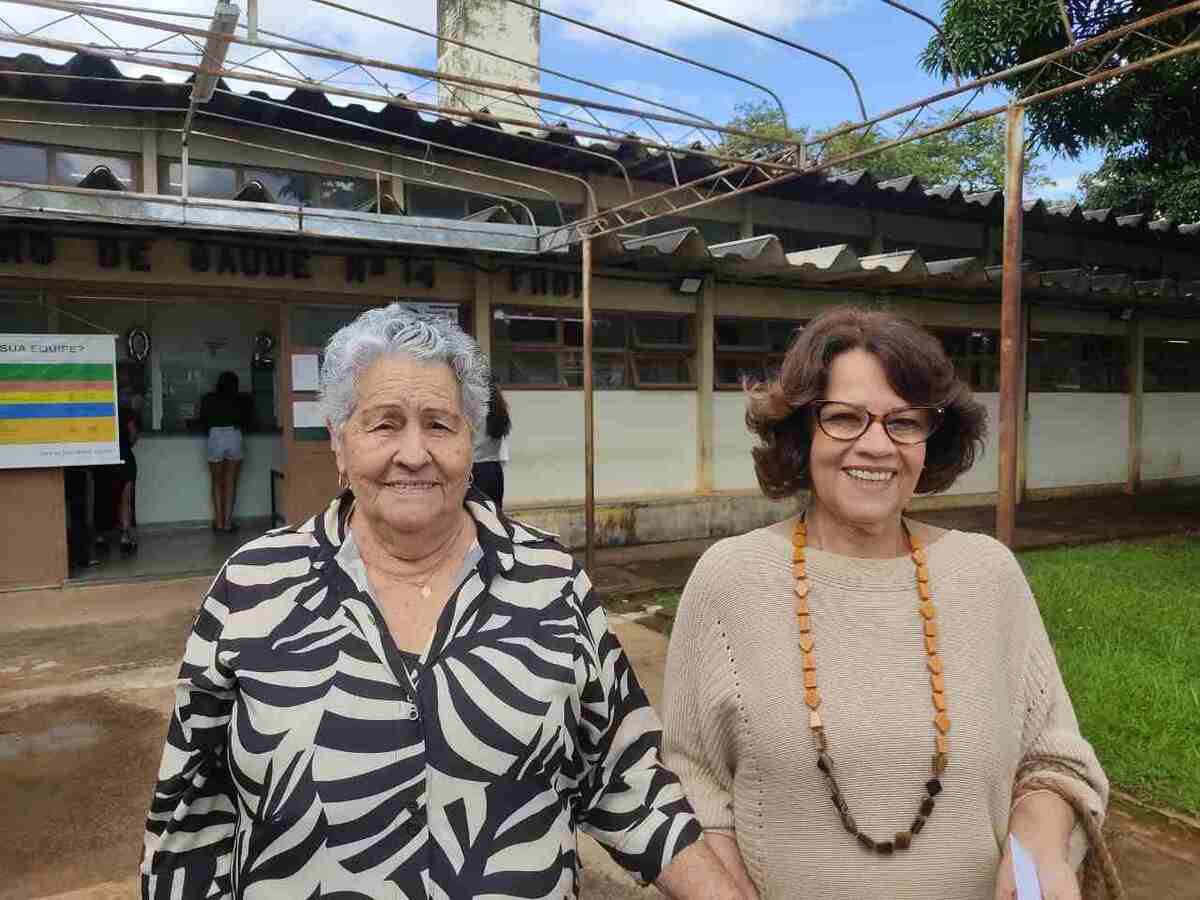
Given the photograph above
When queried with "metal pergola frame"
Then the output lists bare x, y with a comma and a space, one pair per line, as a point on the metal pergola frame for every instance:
580, 118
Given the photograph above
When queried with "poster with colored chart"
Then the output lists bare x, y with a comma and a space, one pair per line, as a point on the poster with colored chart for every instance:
58, 403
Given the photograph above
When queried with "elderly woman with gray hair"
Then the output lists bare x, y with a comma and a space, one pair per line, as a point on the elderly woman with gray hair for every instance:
409, 695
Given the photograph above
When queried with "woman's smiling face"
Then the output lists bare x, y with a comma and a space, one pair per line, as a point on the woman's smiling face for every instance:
866, 482
407, 448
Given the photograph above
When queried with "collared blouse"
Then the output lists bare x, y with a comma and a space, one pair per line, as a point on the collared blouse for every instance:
304, 759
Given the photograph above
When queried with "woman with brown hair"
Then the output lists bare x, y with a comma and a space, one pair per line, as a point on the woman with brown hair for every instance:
860, 705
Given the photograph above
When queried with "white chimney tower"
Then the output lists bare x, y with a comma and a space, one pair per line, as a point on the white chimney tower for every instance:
502, 27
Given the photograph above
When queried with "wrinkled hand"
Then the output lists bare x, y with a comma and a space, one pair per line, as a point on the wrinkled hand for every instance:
1055, 874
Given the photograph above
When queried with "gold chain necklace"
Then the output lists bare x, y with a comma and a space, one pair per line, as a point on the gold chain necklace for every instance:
812, 695
423, 582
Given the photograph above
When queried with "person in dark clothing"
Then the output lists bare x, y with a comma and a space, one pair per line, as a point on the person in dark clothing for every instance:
125, 476
80, 551
224, 414
491, 448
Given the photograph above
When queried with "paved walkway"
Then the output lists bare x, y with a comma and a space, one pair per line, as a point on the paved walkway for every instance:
636, 573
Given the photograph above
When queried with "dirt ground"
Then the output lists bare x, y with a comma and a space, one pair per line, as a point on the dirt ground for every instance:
86, 681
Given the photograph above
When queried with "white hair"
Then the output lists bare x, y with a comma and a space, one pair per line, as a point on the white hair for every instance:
397, 330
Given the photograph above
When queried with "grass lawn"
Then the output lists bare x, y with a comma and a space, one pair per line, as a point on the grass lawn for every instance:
1125, 621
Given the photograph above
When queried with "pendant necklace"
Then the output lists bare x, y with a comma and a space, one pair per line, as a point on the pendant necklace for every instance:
902, 840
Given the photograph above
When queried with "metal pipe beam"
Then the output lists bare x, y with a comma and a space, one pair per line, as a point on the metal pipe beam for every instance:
862, 106
1011, 345
579, 23
511, 59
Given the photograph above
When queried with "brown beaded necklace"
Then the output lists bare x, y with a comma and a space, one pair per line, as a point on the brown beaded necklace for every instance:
812, 696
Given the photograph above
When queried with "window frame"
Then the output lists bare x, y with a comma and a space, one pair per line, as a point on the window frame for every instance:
765, 356
629, 353
1079, 339
241, 177
1191, 374
53, 150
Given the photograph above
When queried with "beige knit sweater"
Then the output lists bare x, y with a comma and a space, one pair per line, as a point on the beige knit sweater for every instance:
736, 727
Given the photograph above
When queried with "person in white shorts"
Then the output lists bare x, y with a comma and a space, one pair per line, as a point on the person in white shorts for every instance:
225, 414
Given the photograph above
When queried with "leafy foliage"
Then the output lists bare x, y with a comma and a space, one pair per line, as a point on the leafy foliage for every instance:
971, 155
1148, 121
1137, 183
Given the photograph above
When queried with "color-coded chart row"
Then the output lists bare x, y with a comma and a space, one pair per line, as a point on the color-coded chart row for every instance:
58, 431
56, 372
56, 410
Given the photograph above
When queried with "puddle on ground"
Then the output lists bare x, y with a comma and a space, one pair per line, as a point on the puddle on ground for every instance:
59, 739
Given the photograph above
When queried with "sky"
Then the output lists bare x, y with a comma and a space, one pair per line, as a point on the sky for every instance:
879, 44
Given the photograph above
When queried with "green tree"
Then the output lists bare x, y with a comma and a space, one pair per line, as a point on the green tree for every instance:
971, 155
1148, 123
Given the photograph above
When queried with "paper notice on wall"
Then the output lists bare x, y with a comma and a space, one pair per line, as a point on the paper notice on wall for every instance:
58, 401
306, 372
307, 414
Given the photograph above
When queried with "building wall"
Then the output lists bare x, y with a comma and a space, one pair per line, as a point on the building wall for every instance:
33, 552
1078, 439
173, 479
645, 444
1171, 436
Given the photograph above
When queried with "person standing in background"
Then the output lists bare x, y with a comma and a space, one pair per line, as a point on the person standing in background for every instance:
224, 414
491, 449
129, 430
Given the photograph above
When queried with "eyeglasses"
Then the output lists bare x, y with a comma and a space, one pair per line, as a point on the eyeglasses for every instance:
847, 422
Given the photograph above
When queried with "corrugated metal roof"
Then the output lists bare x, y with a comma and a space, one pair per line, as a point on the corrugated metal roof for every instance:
763, 259
23, 76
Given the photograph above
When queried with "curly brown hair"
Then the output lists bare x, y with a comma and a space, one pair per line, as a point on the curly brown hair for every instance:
916, 367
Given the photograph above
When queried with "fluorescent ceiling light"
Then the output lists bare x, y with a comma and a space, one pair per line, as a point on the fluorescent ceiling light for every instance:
1169, 341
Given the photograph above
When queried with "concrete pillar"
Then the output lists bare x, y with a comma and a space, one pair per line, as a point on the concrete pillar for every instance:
150, 155
746, 223
706, 305
1137, 387
483, 306
505, 28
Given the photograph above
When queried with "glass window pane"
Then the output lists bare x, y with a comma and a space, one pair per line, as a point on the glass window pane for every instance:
781, 334
608, 370
346, 193
730, 370
71, 168
525, 366
663, 370
524, 327
22, 315
662, 331
217, 182
1172, 364
436, 203
607, 331
313, 326
287, 188
24, 162
751, 333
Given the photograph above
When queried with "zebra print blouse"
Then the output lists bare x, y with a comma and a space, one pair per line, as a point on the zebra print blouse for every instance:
302, 762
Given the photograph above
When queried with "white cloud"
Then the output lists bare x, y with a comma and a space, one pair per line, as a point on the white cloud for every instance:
657, 21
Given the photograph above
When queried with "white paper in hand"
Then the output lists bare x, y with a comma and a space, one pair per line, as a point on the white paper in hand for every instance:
1024, 872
